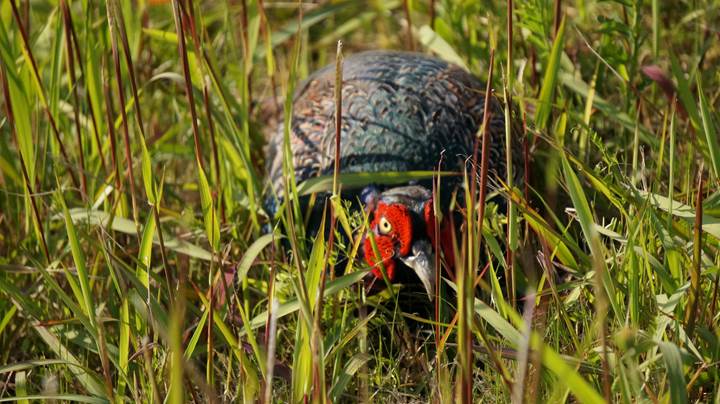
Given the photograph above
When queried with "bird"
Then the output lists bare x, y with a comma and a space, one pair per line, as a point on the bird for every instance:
401, 111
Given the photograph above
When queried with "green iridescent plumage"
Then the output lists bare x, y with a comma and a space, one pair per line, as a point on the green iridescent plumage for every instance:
400, 112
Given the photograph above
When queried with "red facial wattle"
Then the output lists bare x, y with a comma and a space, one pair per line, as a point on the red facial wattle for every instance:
396, 240
445, 234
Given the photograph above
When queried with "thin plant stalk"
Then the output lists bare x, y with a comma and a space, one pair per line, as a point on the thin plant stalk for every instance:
123, 114
122, 33
466, 279
691, 312
432, 14
40, 89
91, 109
76, 99
208, 112
28, 184
511, 219
318, 374
182, 51
409, 36
111, 126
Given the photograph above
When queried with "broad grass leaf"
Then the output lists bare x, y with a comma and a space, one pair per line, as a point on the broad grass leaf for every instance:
547, 91
348, 372
568, 375
435, 43
212, 223
79, 258
147, 174
360, 180
710, 130
293, 305
252, 253
710, 224
145, 253
674, 366
127, 226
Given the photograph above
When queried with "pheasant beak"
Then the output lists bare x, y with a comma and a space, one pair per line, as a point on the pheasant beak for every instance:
422, 261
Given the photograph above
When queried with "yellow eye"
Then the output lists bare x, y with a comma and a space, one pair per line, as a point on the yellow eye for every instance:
384, 226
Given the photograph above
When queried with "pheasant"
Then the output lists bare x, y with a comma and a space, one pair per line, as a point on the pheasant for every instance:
400, 112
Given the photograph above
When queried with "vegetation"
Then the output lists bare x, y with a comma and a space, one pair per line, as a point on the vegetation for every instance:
131, 196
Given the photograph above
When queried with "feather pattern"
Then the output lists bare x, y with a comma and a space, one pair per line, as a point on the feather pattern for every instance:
401, 111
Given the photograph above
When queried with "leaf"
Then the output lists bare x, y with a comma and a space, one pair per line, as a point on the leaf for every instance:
168, 37
87, 378
674, 366
292, 306
127, 226
351, 367
48, 398
7, 317
360, 180
684, 94
438, 45
212, 225
147, 174
545, 100
199, 328
145, 254
20, 366
79, 259
592, 238
568, 375
710, 224
21, 387
559, 248
708, 126
252, 252
582, 208
498, 323
123, 345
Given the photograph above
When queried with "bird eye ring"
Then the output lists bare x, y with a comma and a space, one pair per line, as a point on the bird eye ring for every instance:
384, 226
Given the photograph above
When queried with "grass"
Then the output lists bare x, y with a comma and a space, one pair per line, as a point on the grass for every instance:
132, 186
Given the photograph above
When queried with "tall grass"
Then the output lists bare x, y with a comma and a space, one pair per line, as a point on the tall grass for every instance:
138, 263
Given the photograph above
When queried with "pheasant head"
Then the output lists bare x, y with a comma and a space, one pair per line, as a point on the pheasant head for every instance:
402, 226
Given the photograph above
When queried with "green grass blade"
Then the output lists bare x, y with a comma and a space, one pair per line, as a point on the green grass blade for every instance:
710, 224
252, 253
78, 398
145, 253
568, 376
127, 226
709, 128
675, 369
683, 89
348, 372
79, 259
351, 181
547, 92
212, 224
293, 305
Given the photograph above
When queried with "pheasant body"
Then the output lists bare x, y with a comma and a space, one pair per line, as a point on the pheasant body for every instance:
400, 112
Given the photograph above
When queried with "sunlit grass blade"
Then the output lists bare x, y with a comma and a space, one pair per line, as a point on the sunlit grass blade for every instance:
676, 373
126, 226
710, 224
79, 258
710, 129
292, 306
547, 92
352, 181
